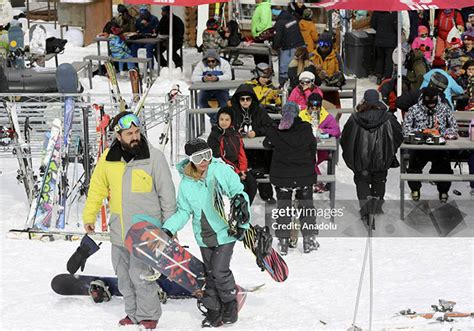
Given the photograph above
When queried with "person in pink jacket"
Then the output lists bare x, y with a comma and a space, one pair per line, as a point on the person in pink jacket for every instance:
423, 42
306, 86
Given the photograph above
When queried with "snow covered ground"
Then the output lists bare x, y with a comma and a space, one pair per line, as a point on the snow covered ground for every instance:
320, 293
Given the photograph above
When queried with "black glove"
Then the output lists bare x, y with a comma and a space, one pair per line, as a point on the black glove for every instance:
240, 234
168, 232
79, 258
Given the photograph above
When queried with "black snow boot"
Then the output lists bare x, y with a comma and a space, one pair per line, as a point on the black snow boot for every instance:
230, 312
213, 319
310, 244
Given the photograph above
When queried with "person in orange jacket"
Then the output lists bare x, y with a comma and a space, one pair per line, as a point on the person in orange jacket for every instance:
308, 30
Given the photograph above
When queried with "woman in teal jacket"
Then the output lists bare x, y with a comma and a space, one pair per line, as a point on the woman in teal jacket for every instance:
203, 179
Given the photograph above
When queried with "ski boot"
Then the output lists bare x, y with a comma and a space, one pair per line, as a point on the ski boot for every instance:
443, 197
230, 312
415, 195
283, 246
293, 242
310, 244
213, 319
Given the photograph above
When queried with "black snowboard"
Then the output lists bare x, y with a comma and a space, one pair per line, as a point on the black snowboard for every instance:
67, 284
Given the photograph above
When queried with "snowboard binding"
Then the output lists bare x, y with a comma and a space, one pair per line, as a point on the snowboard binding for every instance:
239, 215
263, 244
99, 292
444, 306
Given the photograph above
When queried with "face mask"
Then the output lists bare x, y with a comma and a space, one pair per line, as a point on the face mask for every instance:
430, 102
423, 38
276, 12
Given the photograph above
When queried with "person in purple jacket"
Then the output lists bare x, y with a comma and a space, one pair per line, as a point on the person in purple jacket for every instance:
324, 126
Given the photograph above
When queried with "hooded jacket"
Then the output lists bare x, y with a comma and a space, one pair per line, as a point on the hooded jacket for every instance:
142, 186
228, 145
222, 70
256, 116
287, 32
370, 141
444, 22
309, 33
294, 155
196, 200
417, 119
331, 63
417, 68
261, 18
152, 26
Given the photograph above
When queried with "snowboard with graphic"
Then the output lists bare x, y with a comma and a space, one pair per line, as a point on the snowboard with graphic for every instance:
16, 46
37, 39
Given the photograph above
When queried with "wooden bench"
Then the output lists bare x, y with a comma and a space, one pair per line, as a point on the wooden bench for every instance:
321, 178
100, 58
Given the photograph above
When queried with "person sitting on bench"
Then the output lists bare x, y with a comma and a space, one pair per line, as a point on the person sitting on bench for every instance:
147, 26
212, 68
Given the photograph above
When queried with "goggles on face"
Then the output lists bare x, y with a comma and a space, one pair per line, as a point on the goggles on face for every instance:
306, 81
324, 43
198, 157
126, 122
315, 104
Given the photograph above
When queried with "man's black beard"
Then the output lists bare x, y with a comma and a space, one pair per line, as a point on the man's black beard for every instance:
135, 149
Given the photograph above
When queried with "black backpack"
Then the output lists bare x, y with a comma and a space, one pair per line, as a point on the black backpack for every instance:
235, 37
55, 45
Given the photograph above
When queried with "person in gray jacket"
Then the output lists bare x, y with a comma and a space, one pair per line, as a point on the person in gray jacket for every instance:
212, 68
137, 179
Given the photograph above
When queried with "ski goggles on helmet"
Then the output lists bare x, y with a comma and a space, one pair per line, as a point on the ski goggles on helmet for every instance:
198, 157
126, 122
315, 104
324, 43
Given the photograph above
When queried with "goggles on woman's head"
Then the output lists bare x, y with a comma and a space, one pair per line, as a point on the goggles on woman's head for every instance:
126, 122
198, 157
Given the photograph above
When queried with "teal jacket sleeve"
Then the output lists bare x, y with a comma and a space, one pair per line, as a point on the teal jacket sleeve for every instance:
183, 212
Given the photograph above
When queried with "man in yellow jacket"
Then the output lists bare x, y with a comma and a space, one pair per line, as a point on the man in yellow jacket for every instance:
138, 181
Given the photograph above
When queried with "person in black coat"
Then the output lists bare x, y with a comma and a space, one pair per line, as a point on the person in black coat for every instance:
178, 36
287, 39
385, 25
226, 143
252, 120
370, 140
292, 169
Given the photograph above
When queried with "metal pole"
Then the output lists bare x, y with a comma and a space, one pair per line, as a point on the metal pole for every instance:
170, 46
87, 165
399, 54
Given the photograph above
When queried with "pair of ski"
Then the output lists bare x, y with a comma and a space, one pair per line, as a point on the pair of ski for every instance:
51, 199
443, 312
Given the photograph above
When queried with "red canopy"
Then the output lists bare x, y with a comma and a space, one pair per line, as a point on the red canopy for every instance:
187, 3
394, 5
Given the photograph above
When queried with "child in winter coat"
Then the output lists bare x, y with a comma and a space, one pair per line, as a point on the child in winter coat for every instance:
305, 88
324, 126
227, 144
205, 179
292, 169
117, 46
424, 43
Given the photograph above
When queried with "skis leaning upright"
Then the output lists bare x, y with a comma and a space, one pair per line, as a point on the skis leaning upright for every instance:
115, 89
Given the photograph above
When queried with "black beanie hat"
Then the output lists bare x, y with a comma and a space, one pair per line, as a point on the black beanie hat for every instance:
195, 145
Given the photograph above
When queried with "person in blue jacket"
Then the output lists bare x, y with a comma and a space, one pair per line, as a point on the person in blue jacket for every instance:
453, 87
204, 179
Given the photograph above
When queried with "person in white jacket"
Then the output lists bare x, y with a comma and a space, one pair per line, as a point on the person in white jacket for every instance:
212, 68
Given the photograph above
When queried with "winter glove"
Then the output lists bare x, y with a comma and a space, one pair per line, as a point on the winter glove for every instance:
168, 232
79, 258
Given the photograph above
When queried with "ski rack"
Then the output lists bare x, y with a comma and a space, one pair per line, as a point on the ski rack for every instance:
40, 109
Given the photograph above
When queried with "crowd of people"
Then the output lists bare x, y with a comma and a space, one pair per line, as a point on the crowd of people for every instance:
370, 139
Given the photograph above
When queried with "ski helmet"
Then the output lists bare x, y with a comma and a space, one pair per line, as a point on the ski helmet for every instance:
263, 70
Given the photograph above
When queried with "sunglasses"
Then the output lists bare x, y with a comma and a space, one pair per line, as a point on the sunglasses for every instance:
244, 99
306, 81
324, 44
199, 157
126, 122
212, 61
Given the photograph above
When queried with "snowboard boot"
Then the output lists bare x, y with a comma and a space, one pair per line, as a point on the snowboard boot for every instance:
293, 242
213, 319
126, 321
310, 244
443, 197
283, 245
148, 324
230, 312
